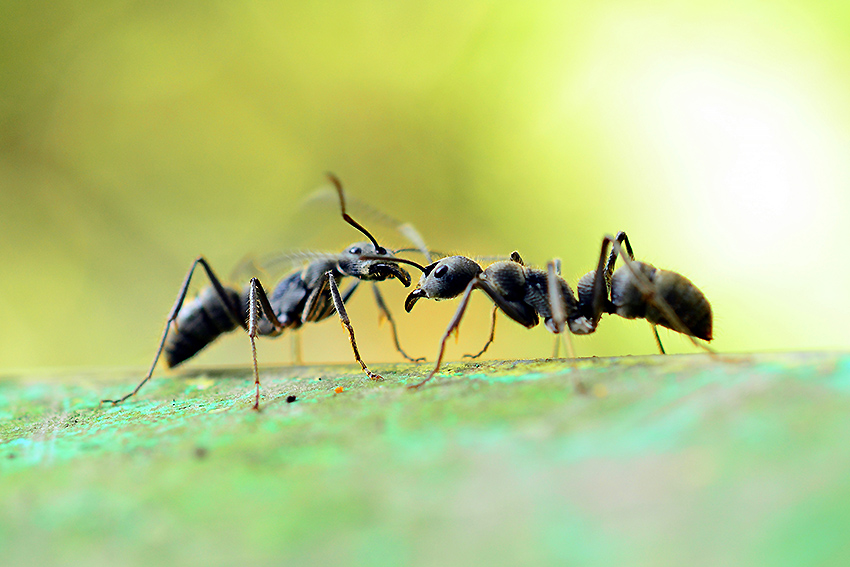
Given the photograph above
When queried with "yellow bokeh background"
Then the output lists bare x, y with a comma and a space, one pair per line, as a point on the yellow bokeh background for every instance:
134, 136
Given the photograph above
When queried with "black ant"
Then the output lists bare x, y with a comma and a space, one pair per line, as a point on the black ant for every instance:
308, 295
636, 290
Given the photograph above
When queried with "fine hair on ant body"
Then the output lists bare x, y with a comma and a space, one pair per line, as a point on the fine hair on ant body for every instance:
525, 294
307, 295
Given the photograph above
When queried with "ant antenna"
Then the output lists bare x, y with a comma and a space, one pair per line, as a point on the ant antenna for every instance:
396, 260
338, 184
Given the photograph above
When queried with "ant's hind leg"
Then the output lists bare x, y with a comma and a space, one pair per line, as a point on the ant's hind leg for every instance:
232, 311
346, 322
385, 313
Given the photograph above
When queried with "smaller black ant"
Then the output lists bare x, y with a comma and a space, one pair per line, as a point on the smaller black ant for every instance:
636, 290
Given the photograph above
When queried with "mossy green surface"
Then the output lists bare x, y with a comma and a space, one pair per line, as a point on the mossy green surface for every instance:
696, 459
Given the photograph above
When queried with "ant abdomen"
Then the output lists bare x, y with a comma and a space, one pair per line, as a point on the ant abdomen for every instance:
687, 301
199, 323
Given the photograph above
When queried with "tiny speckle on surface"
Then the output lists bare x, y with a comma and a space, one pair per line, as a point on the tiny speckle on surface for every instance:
690, 459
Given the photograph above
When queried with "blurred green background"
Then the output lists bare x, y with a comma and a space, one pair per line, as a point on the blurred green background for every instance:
136, 135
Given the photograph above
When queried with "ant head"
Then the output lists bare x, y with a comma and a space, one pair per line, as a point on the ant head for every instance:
444, 279
366, 262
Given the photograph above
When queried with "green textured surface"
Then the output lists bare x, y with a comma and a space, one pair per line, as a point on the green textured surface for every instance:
675, 460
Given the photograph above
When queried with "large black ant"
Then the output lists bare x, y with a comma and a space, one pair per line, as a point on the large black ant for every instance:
308, 295
636, 290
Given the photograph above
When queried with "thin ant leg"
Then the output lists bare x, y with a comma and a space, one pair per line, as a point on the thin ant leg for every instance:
556, 300
258, 303
603, 274
492, 336
253, 316
383, 311
567, 340
609, 271
648, 289
346, 322
295, 348
295, 345
658, 339
232, 310
559, 309
453, 325
601, 286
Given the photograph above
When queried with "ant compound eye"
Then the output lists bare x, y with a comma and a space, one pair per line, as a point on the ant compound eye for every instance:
441, 271
356, 251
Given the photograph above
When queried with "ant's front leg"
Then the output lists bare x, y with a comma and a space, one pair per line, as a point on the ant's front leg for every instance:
453, 325
346, 322
232, 311
382, 308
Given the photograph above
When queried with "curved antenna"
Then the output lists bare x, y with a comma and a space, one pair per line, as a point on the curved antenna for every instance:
395, 260
338, 184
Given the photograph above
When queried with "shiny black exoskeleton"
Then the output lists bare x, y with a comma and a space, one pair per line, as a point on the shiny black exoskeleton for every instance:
308, 295
526, 294
301, 297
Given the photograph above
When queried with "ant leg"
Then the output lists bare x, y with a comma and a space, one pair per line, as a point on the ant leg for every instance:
647, 288
258, 303
232, 310
558, 307
556, 300
453, 325
609, 271
556, 350
492, 336
593, 308
295, 346
385, 313
346, 322
567, 339
658, 339
601, 286
319, 305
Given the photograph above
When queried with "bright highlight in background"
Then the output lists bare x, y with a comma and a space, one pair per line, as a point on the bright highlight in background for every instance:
757, 164
739, 150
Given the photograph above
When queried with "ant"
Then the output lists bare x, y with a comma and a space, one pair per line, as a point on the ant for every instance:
635, 290
307, 295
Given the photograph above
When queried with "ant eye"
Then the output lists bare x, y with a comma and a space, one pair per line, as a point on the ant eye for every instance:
355, 251
441, 271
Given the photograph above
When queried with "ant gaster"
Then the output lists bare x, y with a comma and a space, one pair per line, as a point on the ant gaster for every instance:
308, 295
636, 290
